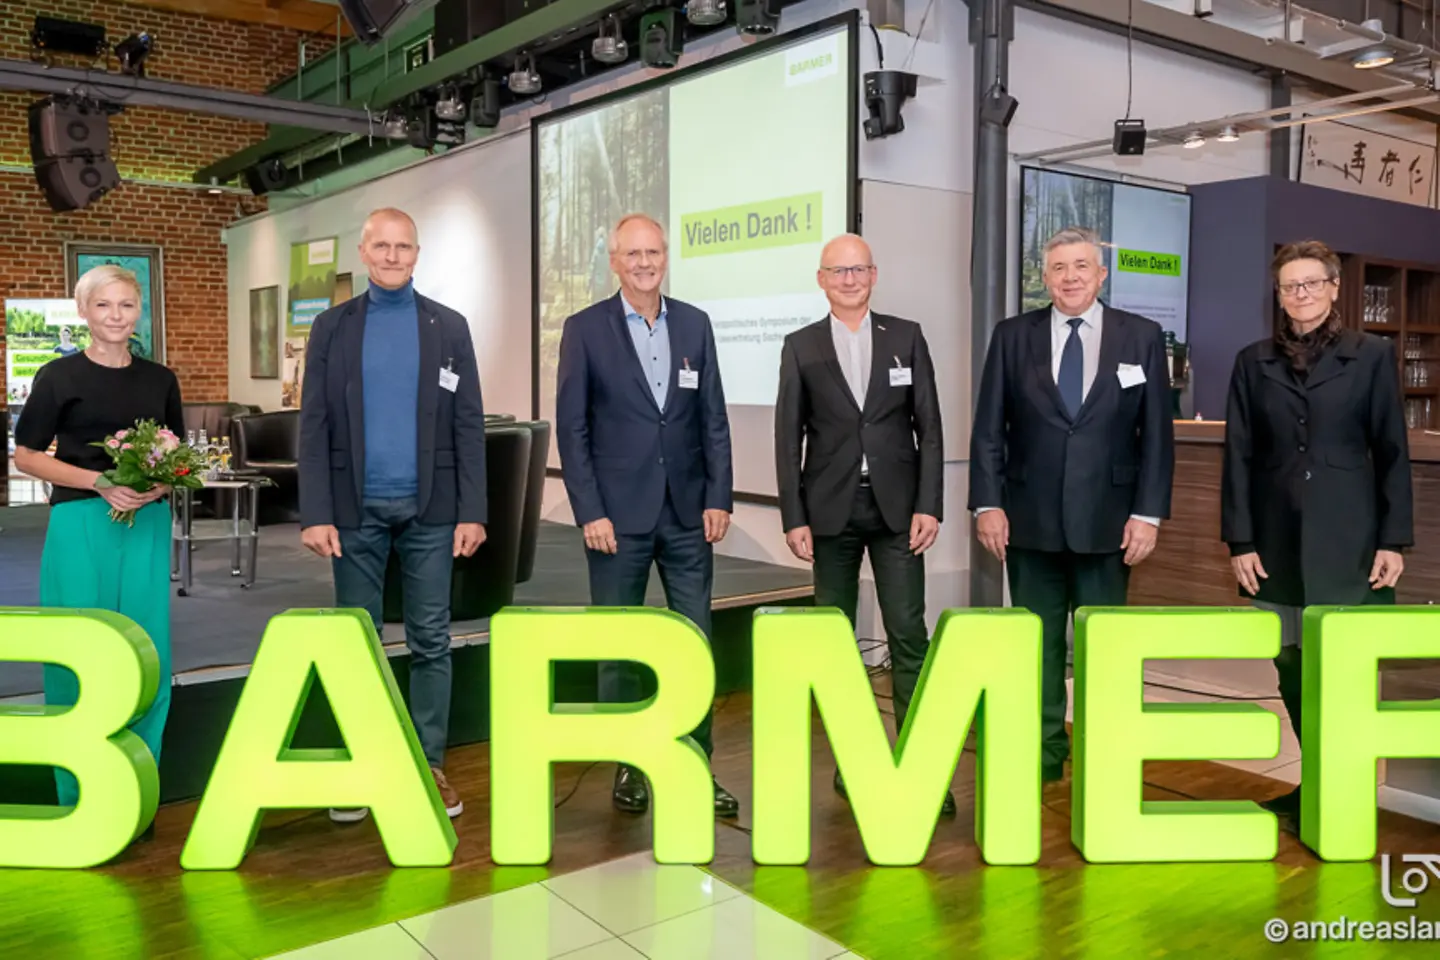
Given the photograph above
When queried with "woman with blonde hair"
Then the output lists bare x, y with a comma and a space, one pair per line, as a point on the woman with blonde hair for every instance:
1315, 497
90, 561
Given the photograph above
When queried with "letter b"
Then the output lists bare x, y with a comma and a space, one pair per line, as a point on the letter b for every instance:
119, 673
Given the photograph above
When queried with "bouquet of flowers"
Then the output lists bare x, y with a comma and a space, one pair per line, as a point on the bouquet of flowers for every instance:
147, 455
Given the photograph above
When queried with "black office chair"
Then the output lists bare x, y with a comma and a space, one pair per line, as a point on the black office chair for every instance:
482, 584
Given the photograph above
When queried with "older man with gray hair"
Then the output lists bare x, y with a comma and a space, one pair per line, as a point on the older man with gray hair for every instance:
644, 443
1071, 456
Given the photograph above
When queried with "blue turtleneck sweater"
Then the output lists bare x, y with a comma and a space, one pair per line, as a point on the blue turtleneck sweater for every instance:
392, 386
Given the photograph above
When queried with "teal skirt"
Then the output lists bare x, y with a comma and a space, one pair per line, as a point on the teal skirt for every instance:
91, 561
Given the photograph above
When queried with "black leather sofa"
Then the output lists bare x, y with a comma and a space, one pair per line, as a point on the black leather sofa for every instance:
482, 584
269, 444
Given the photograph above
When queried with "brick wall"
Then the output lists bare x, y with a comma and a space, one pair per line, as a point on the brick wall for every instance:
147, 144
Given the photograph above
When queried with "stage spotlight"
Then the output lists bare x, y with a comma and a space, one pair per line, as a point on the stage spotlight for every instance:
610, 47
485, 107
661, 38
524, 79
757, 17
706, 13
132, 51
395, 126
450, 107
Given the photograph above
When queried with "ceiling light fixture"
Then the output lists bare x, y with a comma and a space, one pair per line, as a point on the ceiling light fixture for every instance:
706, 13
1228, 134
1194, 140
1374, 57
524, 80
610, 47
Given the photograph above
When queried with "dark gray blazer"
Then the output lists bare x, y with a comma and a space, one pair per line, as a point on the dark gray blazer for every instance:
449, 427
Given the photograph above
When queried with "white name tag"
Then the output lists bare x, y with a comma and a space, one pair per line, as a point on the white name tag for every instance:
449, 380
899, 376
689, 379
1131, 375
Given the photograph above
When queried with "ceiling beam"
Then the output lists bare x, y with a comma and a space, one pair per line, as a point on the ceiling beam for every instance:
559, 16
144, 91
307, 16
1199, 34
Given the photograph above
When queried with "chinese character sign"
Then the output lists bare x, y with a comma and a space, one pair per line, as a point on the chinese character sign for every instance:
1378, 165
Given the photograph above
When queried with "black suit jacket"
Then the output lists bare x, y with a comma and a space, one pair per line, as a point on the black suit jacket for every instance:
1317, 476
821, 433
449, 427
619, 452
1072, 484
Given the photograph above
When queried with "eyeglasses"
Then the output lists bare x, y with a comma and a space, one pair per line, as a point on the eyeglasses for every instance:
1311, 287
844, 273
636, 256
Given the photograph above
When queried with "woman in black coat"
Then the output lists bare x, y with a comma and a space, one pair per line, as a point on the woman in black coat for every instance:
1315, 500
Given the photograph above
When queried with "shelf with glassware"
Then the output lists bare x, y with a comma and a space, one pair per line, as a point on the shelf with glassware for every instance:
1400, 301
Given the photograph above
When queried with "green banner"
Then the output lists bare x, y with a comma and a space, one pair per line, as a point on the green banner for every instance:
1144, 261
784, 222
312, 284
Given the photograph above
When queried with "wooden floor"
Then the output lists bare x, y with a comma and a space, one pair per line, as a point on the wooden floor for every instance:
308, 880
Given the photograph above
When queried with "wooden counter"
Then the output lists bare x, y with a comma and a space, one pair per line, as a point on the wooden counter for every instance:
1190, 564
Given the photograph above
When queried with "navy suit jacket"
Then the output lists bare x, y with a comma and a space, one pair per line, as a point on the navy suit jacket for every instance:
449, 426
619, 452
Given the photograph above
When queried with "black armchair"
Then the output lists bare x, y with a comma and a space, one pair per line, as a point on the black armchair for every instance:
482, 584
269, 444
534, 494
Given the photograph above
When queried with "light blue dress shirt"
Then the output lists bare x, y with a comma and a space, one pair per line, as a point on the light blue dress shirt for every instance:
652, 346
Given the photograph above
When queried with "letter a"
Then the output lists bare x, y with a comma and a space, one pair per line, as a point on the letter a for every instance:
119, 674
529, 733
896, 796
381, 766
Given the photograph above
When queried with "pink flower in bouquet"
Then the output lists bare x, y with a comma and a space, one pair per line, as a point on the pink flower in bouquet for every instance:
168, 440
127, 446
113, 444
121, 434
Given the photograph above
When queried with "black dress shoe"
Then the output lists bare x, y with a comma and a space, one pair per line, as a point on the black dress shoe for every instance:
725, 803
631, 794
1286, 808
1052, 772
947, 809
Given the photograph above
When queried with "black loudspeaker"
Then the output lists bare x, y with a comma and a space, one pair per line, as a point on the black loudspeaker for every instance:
71, 183
372, 19
67, 128
1130, 138
267, 175
457, 22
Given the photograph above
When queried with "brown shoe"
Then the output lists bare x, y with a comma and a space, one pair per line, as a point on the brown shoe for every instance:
448, 794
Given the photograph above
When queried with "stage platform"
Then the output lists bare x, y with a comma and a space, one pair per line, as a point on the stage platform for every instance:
308, 880
217, 629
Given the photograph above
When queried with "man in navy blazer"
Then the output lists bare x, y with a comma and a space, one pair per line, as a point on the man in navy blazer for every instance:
644, 446
392, 452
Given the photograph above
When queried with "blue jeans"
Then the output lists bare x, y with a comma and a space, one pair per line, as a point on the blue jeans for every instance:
687, 572
426, 556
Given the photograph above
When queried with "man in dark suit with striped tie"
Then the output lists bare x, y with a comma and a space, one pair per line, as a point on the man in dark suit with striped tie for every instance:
1071, 456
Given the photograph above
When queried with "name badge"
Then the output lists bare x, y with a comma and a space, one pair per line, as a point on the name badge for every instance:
1131, 375
449, 380
899, 376
689, 379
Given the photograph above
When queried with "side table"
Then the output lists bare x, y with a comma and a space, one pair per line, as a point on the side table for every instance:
186, 531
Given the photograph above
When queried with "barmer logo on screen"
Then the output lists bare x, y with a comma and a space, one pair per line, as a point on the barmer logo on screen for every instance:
812, 61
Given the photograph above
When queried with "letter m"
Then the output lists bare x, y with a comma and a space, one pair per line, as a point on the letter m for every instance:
986, 659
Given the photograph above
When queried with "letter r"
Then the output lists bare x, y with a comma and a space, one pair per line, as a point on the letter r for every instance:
119, 673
